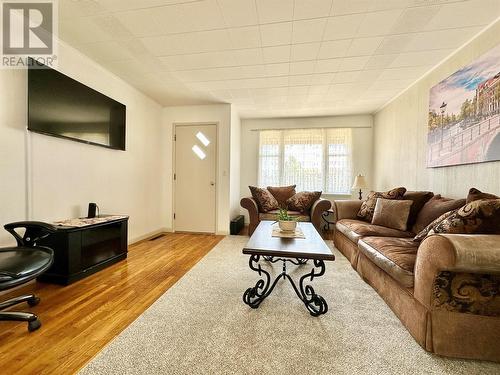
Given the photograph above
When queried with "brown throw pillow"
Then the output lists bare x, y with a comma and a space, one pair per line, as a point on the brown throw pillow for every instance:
368, 206
265, 201
392, 213
419, 198
424, 232
478, 217
282, 193
475, 195
303, 201
434, 208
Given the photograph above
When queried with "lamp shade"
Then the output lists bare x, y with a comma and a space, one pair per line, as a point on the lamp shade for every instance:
359, 182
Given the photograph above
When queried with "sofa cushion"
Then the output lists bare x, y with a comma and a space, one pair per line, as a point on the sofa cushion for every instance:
356, 229
282, 193
424, 232
392, 213
264, 199
396, 256
434, 208
272, 215
476, 194
368, 205
303, 201
419, 198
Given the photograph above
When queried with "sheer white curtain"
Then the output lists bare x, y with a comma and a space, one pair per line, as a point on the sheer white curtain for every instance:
313, 159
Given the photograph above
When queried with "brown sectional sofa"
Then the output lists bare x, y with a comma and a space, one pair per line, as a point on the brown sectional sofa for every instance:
445, 289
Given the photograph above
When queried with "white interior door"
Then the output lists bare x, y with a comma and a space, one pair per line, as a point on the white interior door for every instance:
195, 178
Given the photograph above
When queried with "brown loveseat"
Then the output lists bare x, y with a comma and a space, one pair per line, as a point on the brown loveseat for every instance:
313, 215
445, 289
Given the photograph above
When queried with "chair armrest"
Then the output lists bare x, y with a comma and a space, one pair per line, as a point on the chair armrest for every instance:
345, 209
317, 209
446, 255
253, 212
34, 231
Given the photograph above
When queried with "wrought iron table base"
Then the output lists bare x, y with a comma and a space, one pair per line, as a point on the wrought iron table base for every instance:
315, 304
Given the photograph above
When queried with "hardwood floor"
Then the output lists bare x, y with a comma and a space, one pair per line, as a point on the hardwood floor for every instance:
80, 319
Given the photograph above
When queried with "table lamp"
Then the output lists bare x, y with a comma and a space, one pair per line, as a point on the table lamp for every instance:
360, 183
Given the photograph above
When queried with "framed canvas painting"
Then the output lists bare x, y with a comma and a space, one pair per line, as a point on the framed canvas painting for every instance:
464, 115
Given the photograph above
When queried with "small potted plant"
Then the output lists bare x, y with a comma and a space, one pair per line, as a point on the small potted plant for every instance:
286, 222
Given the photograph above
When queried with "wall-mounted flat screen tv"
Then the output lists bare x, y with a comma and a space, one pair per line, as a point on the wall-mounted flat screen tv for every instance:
62, 107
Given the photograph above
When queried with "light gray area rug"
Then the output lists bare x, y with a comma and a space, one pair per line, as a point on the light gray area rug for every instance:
201, 326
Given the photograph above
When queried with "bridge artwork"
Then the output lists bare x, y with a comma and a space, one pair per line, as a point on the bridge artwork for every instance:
464, 114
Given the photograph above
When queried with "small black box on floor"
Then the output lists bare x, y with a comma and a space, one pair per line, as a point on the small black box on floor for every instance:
237, 224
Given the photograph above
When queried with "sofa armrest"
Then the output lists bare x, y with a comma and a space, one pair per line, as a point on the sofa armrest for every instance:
442, 257
253, 212
345, 209
317, 209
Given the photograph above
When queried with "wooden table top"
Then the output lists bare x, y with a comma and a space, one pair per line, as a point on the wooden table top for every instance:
312, 247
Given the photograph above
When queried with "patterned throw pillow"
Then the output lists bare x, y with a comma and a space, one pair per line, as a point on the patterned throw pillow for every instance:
424, 232
282, 193
265, 200
478, 217
368, 206
303, 201
476, 194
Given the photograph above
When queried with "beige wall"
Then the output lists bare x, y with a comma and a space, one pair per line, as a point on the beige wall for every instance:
362, 144
46, 178
234, 173
400, 135
221, 115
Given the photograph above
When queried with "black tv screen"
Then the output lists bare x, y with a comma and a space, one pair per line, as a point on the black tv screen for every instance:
62, 107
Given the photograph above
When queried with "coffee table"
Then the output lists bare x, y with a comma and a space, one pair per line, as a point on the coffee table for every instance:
296, 251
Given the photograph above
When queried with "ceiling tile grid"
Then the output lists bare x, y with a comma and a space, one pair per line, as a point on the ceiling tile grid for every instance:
273, 57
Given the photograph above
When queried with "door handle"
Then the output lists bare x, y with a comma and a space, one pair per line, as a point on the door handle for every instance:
212, 183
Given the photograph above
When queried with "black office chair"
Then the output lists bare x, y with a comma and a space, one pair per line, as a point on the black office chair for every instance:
23, 263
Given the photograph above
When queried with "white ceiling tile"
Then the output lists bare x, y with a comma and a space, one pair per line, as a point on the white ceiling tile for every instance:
124, 5
353, 63
302, 67
276, 34
275, 10
378, 23
344, 77
201, 15
415, 19
420, 58
403, 73
342, 27
240, 93
251, 56
319, 89
321, 79
256, 71
142, 22
311, 9
305, 51
245, 37
363, 6
364, 46
84, 30
276, 82
298, 90
276, 54
327, 66
239, 12
468, 13
308, 30
441, 39
335, 48
394, 44
106, 51
380, 61
277, 69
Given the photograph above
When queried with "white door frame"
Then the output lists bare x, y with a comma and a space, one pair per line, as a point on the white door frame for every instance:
174, 127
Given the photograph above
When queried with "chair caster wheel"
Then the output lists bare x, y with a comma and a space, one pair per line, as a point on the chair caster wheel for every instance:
34, 325
33, 301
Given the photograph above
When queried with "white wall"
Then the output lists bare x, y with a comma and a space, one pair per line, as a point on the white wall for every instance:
46, 178
361, 135
235, 157
400, 134
221, 115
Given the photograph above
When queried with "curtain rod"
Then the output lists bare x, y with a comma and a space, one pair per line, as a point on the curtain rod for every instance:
315, 127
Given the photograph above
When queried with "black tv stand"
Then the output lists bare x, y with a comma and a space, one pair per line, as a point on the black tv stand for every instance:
82, 251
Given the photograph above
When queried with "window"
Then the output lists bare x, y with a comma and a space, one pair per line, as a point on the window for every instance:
313, 159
